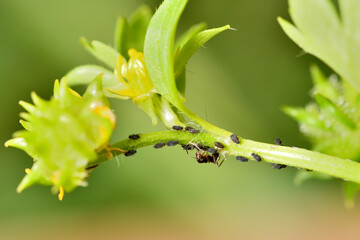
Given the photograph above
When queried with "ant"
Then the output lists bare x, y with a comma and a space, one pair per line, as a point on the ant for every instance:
202, 156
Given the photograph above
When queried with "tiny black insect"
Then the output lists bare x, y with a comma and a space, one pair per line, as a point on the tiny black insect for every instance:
278, 166
159, 145
134, 136
242, 159
235, 138
278, 141
172, 143
187, 147
219, 145
206, 158
256, 157
188, 128
130, 153
177, 128
211, 150
202, 157
194, 131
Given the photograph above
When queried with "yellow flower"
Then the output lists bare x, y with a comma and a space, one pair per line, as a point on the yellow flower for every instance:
134, 76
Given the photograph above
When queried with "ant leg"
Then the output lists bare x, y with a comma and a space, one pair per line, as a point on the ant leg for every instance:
219, 165
109, 154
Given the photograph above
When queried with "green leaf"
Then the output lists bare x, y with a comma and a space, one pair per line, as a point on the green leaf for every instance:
139, 22
86, 73
121, 35
181, 82
331, 109
322, 85
320, 32
101, 51
193, 45
350, 191
186, 36
349, 11
158, 49
131, 33
295, 35
83, 75
305, 117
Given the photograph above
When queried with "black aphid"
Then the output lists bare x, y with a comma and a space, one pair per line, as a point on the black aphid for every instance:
219, 145
130, 153
235, 138
278, 166
159, 145
172, 143
134, 136
177, 128
211, 150
278, 141
194, 131
256, 157
188, 128
187, 147
242, 159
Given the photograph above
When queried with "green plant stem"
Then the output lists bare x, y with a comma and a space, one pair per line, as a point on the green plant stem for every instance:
221, 133
291, 156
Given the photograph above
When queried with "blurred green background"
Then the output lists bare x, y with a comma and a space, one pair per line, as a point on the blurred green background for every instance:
238, 81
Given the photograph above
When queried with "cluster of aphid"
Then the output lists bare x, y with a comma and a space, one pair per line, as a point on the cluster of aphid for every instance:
205, 154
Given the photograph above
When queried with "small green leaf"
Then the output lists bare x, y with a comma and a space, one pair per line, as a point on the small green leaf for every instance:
305, 117
101, 51
330, 108
320, 32
83, 75
158, 49
86, 73
295, 35
193, 45
139, 22
322, 85
121, 35
131, 33
186, 36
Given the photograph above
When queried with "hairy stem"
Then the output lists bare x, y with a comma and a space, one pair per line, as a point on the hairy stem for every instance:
291, 156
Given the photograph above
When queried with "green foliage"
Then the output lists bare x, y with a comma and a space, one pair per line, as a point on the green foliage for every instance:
101, 51
131, 33
158, 49
332, 122
66, 134
159, 56
63, 135
192, 45
321, 32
